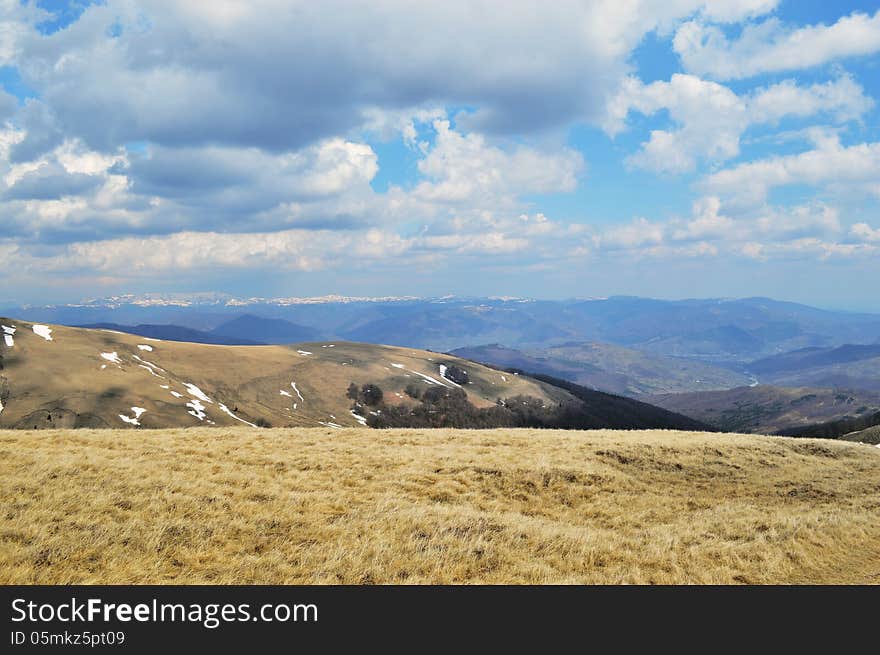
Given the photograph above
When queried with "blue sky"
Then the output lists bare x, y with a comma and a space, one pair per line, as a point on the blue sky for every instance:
279, 148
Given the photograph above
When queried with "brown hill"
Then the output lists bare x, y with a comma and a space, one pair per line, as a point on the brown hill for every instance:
61, 377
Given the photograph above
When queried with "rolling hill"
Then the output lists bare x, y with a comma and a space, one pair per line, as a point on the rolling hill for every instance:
869, 435
861, 428
610, 368
53, 376
767, 409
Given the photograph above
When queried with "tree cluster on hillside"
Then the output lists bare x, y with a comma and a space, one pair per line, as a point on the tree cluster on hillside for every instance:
457, 374
444, 407
369, 394
606, 410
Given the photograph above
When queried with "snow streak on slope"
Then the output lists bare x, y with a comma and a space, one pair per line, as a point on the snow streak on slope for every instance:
225, 409
195, 392
137, 411
429, 379
7, 335
197, 409
43, 331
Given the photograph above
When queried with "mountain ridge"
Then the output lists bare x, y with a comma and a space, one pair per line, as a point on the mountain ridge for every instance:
723, 331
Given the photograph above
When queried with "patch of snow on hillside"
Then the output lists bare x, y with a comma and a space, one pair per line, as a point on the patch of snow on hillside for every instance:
137, 411
111, 357
225, 409
301, 399
164, 386
7, 335
357, 417
141, 346
398, 366
197, 409
43, 331
330, 425
176, 394
152, 368
150, 364
150, 371
303, 352
428, 378
504, 379
1, 407
195, 392
284, 393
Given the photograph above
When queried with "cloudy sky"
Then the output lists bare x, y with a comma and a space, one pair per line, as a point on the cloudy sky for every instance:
668, 148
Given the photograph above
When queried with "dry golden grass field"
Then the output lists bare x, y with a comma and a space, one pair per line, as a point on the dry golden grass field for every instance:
236, 505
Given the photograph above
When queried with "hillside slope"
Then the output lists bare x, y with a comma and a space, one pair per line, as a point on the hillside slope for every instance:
862, 428
767, 409
244, 506
96, 378
868, 435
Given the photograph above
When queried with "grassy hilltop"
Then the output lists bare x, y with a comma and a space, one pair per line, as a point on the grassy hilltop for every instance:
238, 505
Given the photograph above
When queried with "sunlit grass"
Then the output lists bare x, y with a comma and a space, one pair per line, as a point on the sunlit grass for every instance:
444, 506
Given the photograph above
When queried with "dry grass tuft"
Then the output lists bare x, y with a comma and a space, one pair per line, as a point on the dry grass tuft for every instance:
404, 506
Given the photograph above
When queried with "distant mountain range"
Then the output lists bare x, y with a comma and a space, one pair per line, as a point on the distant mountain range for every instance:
722, 331
172, 333
237, 332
